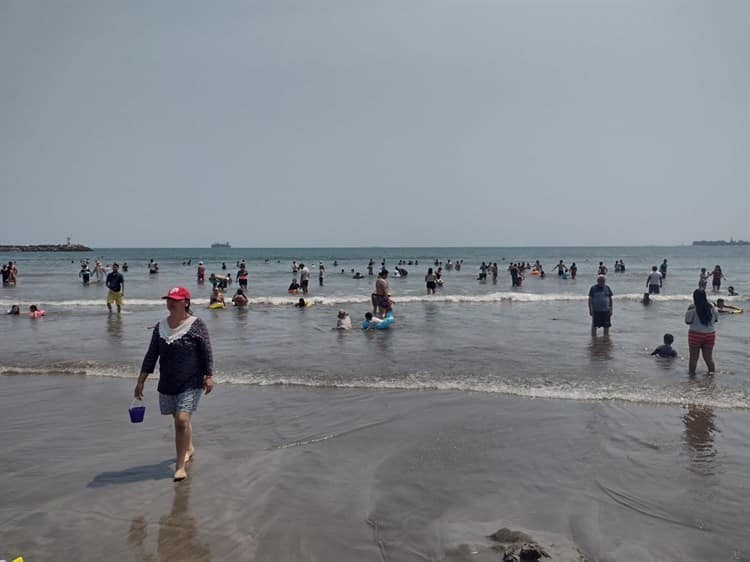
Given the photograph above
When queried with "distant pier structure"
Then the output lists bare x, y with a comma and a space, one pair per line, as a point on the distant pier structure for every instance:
67, 247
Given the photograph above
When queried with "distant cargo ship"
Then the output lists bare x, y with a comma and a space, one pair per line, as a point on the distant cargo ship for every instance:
220, 245
732, 242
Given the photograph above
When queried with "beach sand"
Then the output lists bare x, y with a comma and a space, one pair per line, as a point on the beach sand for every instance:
292, 473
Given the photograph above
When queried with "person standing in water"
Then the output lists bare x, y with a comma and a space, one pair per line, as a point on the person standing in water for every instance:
242, 275
702, 317
429, 279
561, 269
116, 286
653, 281
663, 269
717, 277
703, 279
304, 278
181, 344
85, 274
99, 272
381, 300
600, 306
573, 270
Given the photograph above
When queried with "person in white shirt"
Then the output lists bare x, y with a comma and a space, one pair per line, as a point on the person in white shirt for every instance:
304, 277
343, 320
654, 280
703, 279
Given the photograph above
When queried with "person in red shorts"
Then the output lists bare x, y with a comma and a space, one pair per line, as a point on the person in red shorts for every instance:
702, 318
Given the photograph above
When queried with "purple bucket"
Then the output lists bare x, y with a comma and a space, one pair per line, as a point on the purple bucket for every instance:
137, 413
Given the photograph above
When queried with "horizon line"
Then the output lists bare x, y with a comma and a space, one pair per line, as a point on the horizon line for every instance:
391, 247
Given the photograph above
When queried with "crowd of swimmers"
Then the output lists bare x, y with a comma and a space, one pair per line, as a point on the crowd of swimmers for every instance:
381, 297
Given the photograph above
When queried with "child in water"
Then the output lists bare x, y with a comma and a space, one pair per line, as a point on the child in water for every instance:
372, 320
34, 312
723, 307
14, 310
666, 349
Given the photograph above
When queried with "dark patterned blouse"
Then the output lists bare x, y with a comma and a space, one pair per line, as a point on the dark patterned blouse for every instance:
185, 357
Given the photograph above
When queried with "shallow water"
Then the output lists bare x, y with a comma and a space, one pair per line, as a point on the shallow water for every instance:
413, 443
471, 336
299, 474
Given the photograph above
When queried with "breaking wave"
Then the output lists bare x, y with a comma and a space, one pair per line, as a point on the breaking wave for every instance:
359, 298
534, 389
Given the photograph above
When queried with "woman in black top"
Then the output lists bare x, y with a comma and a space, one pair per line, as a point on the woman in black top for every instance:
181, 344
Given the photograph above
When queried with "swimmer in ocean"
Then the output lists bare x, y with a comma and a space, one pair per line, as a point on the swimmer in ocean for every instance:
666, 349
725, 308
239, 298
216, 296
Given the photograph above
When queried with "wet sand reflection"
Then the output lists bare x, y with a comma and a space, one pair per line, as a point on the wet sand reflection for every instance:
698, 438
177, 537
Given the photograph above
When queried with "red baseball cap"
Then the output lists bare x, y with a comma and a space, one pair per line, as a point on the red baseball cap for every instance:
178, 294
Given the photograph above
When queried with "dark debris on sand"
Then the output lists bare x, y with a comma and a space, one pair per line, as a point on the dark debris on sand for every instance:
516, 546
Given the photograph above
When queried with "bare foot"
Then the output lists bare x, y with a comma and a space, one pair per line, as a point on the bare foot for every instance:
189, 455
180, 475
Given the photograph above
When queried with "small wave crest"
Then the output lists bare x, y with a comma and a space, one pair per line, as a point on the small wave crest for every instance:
422, 382
10, 371
73, 370
726, 400
271, 300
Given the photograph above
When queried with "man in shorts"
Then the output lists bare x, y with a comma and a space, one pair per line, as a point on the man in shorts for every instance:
304, 278
653, 281
116, 286
381, 301
600, 306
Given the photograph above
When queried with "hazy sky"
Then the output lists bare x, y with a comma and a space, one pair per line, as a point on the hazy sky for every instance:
350, 123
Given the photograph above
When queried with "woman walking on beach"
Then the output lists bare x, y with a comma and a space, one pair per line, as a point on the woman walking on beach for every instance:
701, 317
182, 345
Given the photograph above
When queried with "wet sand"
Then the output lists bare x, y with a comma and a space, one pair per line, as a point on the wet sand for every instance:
289, 473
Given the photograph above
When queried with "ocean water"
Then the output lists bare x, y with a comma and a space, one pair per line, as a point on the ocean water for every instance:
471, 336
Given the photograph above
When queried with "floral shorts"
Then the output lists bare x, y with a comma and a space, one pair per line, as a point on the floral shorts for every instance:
183, 402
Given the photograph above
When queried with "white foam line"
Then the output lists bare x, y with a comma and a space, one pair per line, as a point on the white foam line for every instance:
354, 299
559, 392
547, 392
